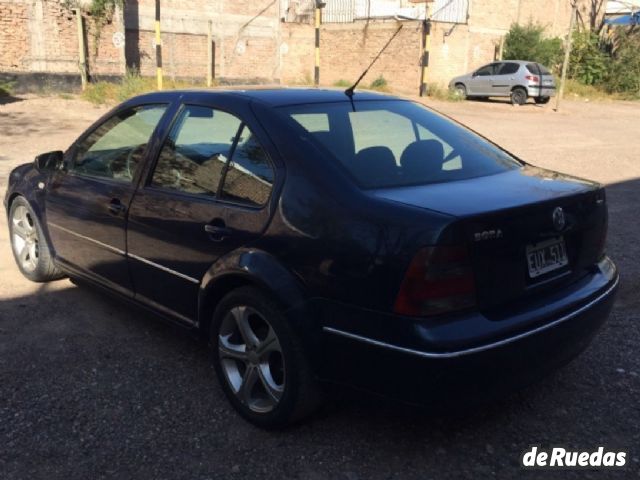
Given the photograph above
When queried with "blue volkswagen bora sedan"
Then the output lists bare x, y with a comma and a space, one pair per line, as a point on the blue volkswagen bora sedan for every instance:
314, 236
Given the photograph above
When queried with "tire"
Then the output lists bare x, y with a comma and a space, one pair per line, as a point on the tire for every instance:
542, 100
518, 96
29, 245
272, 389
460, 90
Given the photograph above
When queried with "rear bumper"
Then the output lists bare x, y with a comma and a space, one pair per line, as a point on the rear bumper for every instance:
534, 91
420, 362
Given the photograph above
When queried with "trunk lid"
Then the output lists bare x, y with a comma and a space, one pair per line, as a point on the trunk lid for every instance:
501, 218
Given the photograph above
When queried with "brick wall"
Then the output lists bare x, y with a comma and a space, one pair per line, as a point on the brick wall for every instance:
42, 36
252, 45
245, 34
13, 35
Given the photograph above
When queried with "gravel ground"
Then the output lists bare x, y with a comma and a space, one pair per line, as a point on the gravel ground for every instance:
90, 388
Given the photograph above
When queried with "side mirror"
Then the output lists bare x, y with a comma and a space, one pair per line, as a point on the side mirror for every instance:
48, 162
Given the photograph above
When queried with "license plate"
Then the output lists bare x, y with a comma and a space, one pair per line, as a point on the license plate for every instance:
544, 257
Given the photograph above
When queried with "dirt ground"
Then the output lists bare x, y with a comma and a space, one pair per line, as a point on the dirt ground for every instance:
90, 388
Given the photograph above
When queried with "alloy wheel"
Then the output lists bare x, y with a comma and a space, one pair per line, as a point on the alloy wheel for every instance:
251, 359
24, 238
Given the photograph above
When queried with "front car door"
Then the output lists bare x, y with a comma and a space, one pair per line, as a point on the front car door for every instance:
207, 194
87, 200
480, 83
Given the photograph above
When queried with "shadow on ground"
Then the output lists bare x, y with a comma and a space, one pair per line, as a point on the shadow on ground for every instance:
93, 388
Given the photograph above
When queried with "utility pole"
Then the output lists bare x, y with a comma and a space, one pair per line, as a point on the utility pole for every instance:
426, 45
82, 50
567, 53
158, 47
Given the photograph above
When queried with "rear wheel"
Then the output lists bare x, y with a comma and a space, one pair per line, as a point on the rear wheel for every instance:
460, 90
542, 100
259, 361
29, 245
518, 96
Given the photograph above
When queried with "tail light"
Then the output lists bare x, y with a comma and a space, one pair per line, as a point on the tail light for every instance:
438, 280
533, 78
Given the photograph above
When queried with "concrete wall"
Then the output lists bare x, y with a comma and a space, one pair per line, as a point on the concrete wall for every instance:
253, 45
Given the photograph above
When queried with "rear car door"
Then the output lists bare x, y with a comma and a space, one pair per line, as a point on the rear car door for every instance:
207, 194
87, 200
504, 79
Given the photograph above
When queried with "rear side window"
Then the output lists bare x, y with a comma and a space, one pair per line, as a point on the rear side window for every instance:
508, 68
115, 148
398, 143
193, 157
313, 122
249, 177
533, 68
208, 146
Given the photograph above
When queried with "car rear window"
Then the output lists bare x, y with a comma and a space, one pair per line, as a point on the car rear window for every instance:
394, 143
533, 68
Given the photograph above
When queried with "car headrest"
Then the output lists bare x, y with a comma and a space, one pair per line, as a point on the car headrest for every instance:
374, 165
422, 160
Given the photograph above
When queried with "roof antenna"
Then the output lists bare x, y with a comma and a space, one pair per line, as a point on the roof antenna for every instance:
349, 91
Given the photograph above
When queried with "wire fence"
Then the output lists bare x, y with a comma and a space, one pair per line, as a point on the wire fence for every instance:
348, 11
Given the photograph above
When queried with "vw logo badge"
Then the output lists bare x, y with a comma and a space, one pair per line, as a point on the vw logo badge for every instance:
559, 220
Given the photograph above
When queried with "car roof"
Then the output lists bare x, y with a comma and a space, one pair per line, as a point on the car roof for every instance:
521, 62
274, 97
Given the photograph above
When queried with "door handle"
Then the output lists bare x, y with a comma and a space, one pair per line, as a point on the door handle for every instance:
217, 231
116, 206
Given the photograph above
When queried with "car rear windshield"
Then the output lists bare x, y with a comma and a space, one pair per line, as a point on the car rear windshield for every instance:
393, 143
533, 68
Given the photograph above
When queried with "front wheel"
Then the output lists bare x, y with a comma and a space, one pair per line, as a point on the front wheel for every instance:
29, 245
460, 90
542, 100
259, 361
518, 96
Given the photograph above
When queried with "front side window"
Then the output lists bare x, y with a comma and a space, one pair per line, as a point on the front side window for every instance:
193, 157
249, 178
486, 70
397, 143
115, 148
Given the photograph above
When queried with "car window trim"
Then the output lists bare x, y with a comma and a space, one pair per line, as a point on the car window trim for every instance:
228, 164
139, 168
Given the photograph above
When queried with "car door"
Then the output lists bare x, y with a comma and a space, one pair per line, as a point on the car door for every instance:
480, 83
504, 79
87, 200
207, 194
